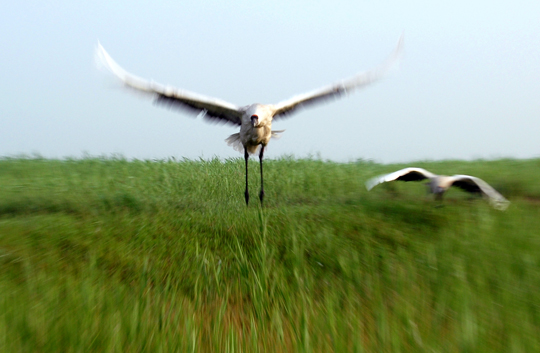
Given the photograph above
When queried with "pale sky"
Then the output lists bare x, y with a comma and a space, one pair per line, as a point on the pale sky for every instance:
468, 85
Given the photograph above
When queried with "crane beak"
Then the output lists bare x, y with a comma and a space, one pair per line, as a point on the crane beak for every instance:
254, 120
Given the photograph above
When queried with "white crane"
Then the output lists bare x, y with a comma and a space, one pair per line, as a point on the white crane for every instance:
255, 120
439, 184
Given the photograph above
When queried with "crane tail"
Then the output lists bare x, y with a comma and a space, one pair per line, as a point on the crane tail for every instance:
234, 142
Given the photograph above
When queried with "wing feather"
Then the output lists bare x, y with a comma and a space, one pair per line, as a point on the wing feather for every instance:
215, 110
337, 89
406, 174
474, 184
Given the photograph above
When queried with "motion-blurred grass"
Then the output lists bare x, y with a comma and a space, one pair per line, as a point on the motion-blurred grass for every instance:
105, 254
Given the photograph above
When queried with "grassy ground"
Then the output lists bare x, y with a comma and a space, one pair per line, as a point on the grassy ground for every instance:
104, 254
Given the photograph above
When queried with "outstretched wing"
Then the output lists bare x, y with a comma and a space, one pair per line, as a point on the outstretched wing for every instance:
337, 89
216, 110
407, 174
476, 185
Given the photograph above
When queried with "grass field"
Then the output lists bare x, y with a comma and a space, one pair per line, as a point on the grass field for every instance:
105, 254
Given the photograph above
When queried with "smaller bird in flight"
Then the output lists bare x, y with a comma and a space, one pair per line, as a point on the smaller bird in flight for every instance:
439, 184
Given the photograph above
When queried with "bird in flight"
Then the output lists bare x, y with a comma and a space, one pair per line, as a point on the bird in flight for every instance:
255, 120
439, 184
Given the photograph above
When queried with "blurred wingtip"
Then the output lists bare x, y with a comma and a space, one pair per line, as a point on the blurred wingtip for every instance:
500, 205
104, 61
98, 61
100, 58
370, 184
398, 52
393, 62
401, 39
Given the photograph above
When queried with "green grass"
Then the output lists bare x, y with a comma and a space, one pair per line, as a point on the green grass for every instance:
105, 254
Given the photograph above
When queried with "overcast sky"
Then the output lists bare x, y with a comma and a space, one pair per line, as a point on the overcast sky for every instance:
468, 85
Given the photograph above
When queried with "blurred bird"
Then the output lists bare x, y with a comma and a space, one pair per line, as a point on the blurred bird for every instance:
439, 184
255, 120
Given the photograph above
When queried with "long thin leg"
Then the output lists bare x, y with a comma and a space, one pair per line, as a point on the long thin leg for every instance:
246, 157
261, 194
